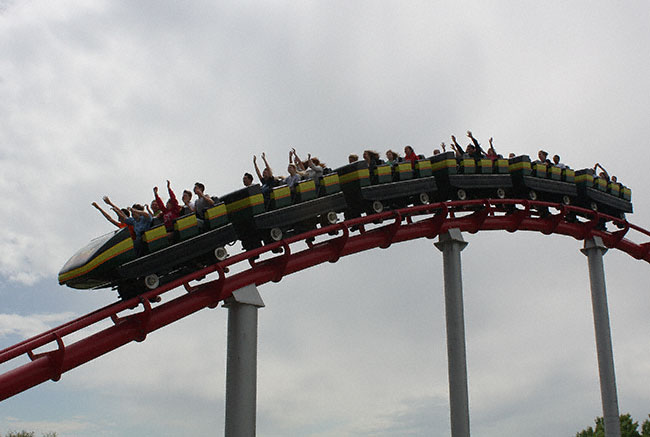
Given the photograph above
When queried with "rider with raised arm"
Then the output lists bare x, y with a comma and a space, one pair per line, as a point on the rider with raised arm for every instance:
475, 152
266, 177
603, 174
456, 148
171, 210
140, 220
491, 153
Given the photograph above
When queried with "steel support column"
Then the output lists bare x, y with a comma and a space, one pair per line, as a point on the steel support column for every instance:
241, 361
594, 249
451, 244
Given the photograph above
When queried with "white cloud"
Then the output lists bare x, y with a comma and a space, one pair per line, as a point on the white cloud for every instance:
29, 326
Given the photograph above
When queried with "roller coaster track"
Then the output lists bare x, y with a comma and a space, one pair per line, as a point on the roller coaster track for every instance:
274, 261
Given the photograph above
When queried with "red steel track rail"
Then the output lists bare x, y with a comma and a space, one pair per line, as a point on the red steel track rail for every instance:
379, 230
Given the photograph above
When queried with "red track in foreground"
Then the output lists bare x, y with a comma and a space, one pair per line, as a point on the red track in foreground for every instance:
406, 224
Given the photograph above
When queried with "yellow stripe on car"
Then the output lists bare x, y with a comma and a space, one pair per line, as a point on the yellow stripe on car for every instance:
584, 178
383, 170
110, 253
306, 187
447, 163
404, 167
280, 193
155, 234
364, 173
247, 202
216, 211
524, 165
330, 180
185, 223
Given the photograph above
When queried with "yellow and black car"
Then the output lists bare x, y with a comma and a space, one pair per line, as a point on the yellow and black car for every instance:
464, 178
110, 260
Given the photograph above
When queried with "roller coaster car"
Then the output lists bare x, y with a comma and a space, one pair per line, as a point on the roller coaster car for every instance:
599, 194
94, 265
110, 260
537, 181
390, 187
460, 179
288, 213
179, 257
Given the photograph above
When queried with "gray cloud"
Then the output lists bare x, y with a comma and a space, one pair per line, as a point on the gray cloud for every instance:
114, 98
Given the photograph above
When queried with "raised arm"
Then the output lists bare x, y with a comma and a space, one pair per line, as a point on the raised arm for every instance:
602, 168
475, 141
109, 202
454, 144
161, 204
106, 215
257, 169
115, 208
266, 163
296, 160
172, 196
492, 147
456, 147
146, 206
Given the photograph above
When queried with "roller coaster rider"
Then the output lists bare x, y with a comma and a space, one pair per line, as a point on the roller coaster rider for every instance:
188, 203
542, 157
120, 221
491, 153
409, 155
392, 157
557, 163
140, 220
475, 150
171, 210
203, 202
267, 180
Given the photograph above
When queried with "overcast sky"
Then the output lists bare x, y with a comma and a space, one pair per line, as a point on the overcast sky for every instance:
101, 97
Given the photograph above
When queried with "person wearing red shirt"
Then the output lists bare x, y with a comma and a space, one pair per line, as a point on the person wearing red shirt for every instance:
410, 155
491, 153
171, 210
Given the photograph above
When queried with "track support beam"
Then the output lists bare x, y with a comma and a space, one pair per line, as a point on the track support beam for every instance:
594, 249
451, 244
241, 361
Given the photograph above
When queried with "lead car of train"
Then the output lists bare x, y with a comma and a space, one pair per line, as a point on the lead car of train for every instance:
110, 261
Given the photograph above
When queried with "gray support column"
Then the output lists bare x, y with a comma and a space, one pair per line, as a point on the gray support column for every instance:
451, 245
241, 365
594, 250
